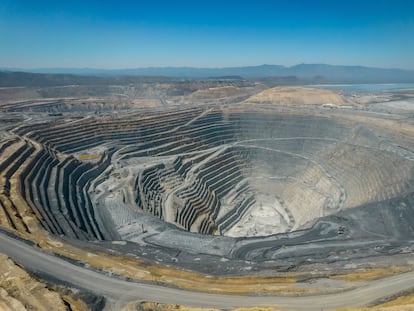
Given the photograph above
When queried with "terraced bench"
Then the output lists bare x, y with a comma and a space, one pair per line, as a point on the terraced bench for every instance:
208, 169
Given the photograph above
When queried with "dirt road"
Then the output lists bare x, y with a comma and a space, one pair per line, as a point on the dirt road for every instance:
115, 289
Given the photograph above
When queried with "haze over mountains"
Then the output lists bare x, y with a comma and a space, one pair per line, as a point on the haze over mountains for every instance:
302, 73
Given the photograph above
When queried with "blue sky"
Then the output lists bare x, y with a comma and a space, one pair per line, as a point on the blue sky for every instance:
127, 34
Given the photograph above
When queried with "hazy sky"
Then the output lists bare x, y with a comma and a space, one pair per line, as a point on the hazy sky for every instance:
124, 34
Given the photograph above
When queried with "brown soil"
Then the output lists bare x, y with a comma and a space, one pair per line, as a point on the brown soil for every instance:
19, 291
296, 96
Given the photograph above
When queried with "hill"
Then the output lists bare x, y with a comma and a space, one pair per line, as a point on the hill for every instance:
310, 73
296, 96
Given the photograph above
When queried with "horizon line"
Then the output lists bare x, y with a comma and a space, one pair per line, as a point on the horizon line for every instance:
193, 67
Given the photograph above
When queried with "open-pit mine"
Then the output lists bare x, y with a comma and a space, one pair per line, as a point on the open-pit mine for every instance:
285, 190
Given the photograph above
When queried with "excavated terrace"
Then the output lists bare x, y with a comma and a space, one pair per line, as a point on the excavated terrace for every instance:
268, 185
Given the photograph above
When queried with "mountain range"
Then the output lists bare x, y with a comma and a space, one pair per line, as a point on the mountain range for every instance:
311, 73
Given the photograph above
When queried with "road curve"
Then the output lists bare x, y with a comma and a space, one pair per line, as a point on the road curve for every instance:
35, 260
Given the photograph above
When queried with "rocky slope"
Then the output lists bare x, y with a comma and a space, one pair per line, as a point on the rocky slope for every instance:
19, 291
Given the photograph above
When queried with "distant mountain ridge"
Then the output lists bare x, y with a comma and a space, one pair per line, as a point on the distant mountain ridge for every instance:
321, 73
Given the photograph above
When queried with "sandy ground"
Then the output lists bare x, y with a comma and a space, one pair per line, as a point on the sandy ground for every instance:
19, 291
297, 96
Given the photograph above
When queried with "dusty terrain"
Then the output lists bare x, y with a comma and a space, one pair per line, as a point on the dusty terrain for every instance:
297, 96
160, 92
120, 291
216, 186
19, 291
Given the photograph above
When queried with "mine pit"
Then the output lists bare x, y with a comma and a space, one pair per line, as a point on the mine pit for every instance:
212, 172
263, 181
287, 191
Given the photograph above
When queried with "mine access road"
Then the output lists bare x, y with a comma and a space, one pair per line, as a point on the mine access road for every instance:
120, 291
